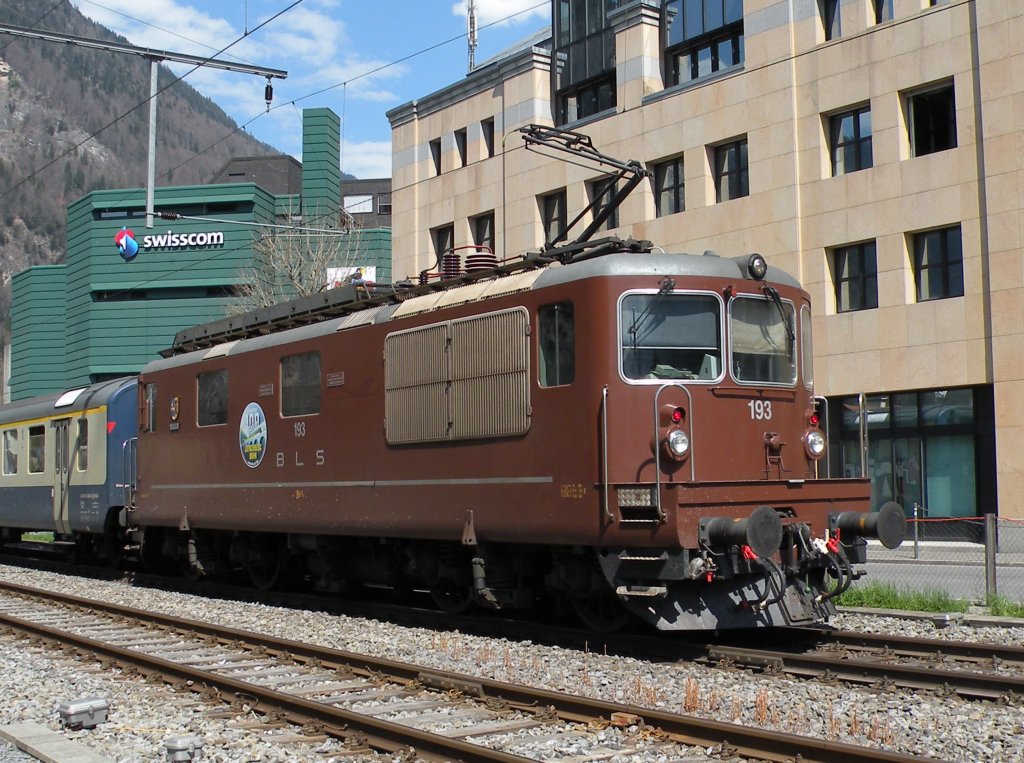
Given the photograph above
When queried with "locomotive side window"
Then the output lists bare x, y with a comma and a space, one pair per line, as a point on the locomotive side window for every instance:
150, 407
10, 451
556, 344
300, 384
671, 336
83, 444
806, 348
213, 398
763, 341
36, 449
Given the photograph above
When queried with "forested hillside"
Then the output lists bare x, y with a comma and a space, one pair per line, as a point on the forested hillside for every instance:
53, 97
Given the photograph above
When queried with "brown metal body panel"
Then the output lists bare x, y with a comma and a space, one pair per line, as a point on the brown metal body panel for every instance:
334, 472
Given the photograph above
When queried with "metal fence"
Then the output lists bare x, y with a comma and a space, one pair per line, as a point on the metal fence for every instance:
972, 558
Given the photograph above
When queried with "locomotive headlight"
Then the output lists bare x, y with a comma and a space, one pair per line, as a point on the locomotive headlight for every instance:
756, 266
678, 444
814, 443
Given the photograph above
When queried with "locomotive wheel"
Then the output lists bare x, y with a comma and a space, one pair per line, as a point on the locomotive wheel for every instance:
451, 596
601, 612
265, 573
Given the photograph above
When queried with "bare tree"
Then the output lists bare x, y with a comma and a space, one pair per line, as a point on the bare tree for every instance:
290, 263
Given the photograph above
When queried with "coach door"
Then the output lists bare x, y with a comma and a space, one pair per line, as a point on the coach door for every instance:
61, 473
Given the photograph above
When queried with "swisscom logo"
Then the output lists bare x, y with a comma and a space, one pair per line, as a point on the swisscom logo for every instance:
128, 247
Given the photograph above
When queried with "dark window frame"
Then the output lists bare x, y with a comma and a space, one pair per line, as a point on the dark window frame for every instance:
949, 265
462, 146
487, 135
732, 176
931, 119
83, 445
831, 18
861, 278
553, 213
37, 449
701, 38
443, 239
212, 397
12, 451
863, 152
883, 11
482, 227
300, 395
435, 155
584, 83
600, 193
669, 191
556, 344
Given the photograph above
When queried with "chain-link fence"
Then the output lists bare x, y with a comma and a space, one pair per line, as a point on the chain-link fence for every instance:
972, 558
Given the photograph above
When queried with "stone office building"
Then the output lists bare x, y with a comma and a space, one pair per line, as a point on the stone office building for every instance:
872, 148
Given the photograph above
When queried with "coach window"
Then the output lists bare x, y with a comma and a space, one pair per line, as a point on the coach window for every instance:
11, 451
83, 444
300, 384
213, 398
36, 449
556, 329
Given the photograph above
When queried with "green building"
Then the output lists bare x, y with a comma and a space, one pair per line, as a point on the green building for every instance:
101, 315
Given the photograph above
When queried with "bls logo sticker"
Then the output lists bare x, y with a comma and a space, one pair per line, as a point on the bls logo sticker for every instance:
252, 435
127, 246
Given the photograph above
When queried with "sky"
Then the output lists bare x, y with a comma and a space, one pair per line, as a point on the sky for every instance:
360, 59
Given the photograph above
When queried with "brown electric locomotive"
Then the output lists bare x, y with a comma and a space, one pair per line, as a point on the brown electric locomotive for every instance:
630, 432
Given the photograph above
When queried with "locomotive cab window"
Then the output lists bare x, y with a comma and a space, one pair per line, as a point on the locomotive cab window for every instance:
300, 384
763, 340
556, 344
212, 393
36, 449
668, 335
10, 451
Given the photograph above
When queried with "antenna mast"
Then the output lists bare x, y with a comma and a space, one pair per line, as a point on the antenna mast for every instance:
471, 32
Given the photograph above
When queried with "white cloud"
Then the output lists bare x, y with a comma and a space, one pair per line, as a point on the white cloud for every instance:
368, 159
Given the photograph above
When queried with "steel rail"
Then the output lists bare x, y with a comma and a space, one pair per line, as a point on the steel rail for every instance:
744, 741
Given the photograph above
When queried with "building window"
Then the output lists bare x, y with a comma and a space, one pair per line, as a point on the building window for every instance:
83, 444
927, 448
938, 264
460, 145
487, 135
669, 187
300, 384
932, 120
731, 175
435, 155
359, 204
883, 11
553, 216
10, 451
585, 82
556, 331
601, 193
856, 277
830, 14
36, 449
701, 37
850, 139
384, 204
444, 240
212, 392
483, 231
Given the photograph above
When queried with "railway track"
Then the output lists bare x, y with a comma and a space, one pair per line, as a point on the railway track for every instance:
381, 705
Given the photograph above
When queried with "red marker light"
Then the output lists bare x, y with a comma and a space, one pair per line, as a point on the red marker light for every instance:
110, 426
677, 415
813, 420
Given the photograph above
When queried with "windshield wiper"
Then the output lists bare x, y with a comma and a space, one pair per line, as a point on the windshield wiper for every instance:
665, 287
773, 295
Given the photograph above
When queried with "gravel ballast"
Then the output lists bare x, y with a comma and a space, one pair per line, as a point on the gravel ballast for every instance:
144, 715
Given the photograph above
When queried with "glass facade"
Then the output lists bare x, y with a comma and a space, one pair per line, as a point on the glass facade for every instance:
933, 448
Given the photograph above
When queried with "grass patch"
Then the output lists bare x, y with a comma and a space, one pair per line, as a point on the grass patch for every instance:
1000, 607
888, 596
37, 537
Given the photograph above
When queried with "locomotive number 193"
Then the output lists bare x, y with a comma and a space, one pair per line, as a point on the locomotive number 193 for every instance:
760, 410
